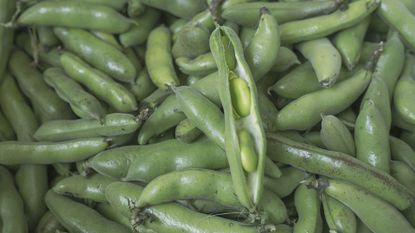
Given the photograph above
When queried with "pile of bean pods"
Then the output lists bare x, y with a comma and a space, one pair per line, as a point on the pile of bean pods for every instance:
207, 116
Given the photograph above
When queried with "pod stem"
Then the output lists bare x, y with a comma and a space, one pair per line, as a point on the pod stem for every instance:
215, 11
138, 217
373, 60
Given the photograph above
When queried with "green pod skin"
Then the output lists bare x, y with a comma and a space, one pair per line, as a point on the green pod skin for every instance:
403, 173
32, 184
386, 219
336, 136
287, 183
143, 86
30, 80
48, 224
404, 24
63, 169
246, 14
307, 204
391, 62
12, 213
367, 51
246, 34
83, 104
138, 34
101, 85
324, 58
340, 166
204, 114
262, 52
408, 137
174, 218
349, 42
98, 53
144, 163
116, 5
399, 122
267, 108
217, 186
186, 131
168, 115
6, 34
16, 110
77, 217
378, 93
401, 151
227, 51
47, 37
200, 66
182, 9
339, 217
135, 8
90, 188
324, 25
14, 152
75, 14
348, 117
110, 213
286, 59
372, 137
114, 124
123, 197
362, 228
410, 5
6, 130
159, 59
404, 91
314, 138
304, 112
293, 135
410, 214
192, 39
108, 38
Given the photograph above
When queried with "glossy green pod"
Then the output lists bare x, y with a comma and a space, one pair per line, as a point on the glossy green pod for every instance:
7, 34
110, 213
403, 173
186, 131
401, 151
48, 224
335, 135
339, 217
404, 92
286, 184
307, 204
180, 8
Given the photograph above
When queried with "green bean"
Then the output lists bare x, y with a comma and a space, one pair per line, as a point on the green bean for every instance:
324, 25
408, 137
108, 38
44, 99
339, 217
336, 136
7, 34
307, 204
12, 213
314, 138
75, 14
227, 51
201, 66
83, 104
111, 125
159, 59
63, 169
183, 9
91, 188
246, 14
290, 179
144, 163
403, 173
16, 110
324, 58
404, 24
286, 58
399, 122
175, 218
98, 53
138, 34
77, 217
262, 52
378, 93
304, 112
123, 196
143, 86
32, 183
98, 83
340, 166
110, 213
367, 51
6, 130
387, 219
405, 91
186, 131
47, 37
135, 8
13, 152
48, 224
348, 117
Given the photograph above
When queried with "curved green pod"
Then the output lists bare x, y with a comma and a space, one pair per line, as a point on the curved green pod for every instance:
290, 179
228, 53
339, 217
6, 34
180, 8
6, 130
123, 196
114, 124
324, 25
401, 151
98, 53
76, 14
14, 152
307, 204
48, 224
386, 219
340, 166
335, 135
246, 13
404, 92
